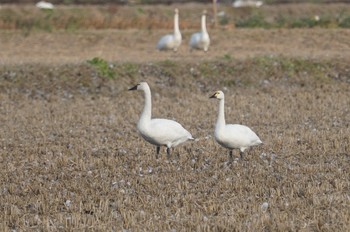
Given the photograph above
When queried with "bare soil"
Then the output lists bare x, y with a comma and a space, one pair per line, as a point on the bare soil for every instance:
139, 45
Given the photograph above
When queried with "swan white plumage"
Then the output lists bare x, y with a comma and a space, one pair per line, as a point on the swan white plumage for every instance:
247, 3
232, 136
159, 132
44, 5
171, 41
201, 40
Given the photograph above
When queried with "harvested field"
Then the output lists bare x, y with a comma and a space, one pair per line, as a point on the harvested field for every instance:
114, 46
71, 158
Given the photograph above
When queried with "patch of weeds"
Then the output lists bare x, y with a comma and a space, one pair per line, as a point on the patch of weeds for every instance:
345, 23
227, 57
230, 82
42, 22
169, 68
300, 67
266, 64
145, 2
46, 25
314, 70
281, 21
303, 22
246, 82
140, 10
273, 66
25, 23
130, 69
72, 24
255, 21
168, 63
208, 69
224, 20
220, 69
325, 22
103, 67
74, 19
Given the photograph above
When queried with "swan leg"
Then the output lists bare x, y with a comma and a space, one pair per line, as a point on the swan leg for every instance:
241, 154
230, 157
158, 149
168, 152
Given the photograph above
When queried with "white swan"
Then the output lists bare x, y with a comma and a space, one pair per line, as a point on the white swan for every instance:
159, 132
232, 136
201, 40
44, 5
247, 3
171, 41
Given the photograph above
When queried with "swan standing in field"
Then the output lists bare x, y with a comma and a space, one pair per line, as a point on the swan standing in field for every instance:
171, 41
201, 40
247, 3
44, 5
159, 132
232, 136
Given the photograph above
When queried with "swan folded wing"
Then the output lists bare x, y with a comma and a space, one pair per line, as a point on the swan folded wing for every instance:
168, 132
195, 40
166, 42
240, 136
199, 41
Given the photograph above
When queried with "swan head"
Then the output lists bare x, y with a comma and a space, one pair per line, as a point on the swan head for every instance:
218, 95
140, 86
176, 11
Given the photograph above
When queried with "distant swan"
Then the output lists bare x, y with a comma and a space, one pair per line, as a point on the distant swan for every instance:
232, 136
44, 5
201, 40
159, 132
171, 41
247, 3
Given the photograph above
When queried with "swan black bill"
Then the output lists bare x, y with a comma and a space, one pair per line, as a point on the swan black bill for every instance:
213, 96
133, 88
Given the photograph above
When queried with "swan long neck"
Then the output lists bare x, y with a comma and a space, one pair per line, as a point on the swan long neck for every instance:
204, 28
147, 109
176, 25
221, 115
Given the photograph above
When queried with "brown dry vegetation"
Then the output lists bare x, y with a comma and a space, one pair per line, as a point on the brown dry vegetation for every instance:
71, 158
114, 45
149, 17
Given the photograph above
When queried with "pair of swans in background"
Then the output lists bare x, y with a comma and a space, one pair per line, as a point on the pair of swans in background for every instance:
199, 40
164, 132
